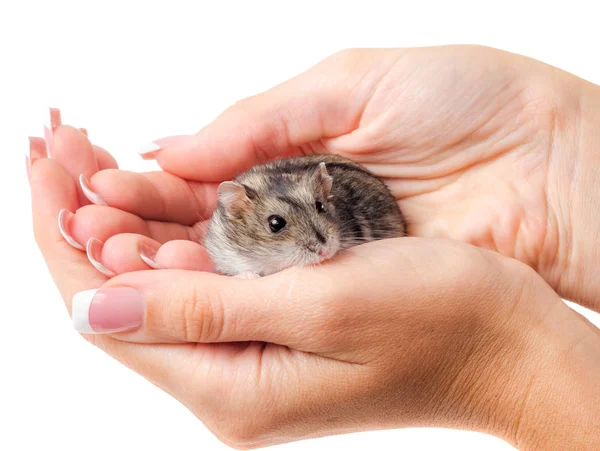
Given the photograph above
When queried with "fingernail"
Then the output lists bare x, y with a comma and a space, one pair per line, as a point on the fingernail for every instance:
87, 191
93, 249
53, 120
149, 150
84, 131
28, 157
107, 310
64, 223
36, 149
148, 256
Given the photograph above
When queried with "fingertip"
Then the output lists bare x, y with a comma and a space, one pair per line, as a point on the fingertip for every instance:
104, 159
91, 195
177, 143
148, 151
148, 255
64, 221
93, 250
80, 311
186, 255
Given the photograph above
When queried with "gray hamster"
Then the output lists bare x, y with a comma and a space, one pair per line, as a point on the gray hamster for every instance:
298, 211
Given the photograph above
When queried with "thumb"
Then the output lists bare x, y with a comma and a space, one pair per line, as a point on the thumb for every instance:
176, 306
325, 102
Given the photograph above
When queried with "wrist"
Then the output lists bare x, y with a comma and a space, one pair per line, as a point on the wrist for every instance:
532, 380
560, 403
549, 395
573, 192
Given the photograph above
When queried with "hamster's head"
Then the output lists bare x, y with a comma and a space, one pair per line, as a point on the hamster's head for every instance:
268, 222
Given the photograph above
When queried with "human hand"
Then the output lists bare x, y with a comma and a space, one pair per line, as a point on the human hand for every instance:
409, 332
478, 145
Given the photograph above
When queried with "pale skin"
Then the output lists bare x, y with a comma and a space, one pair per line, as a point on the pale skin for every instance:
479, 146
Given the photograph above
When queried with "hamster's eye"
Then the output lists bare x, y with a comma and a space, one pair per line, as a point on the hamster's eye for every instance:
276, 223
320, 207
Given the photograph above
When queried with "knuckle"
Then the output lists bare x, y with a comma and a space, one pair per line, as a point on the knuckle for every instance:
200, 317
331, 312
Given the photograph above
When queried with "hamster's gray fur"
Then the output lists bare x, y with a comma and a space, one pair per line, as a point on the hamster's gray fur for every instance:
244, 237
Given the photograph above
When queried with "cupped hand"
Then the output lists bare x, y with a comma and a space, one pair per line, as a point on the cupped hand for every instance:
476, 144
407, 332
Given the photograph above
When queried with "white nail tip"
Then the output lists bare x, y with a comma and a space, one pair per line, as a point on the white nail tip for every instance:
80, 311
149, 262
90, 249
48, 118
148, 148
87, 191
62, 226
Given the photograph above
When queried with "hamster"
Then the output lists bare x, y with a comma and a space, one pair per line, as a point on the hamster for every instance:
298, 211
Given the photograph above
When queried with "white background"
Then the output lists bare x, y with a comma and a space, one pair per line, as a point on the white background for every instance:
131, 72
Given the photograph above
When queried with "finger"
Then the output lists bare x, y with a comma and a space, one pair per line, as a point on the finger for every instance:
157, 196
102, 222
71, 148
105, 160
186, 255
53, 189
173, 306
279, 122
129, 252
74, 151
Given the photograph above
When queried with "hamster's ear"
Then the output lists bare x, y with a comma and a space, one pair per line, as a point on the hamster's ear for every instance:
233, 197
324, 179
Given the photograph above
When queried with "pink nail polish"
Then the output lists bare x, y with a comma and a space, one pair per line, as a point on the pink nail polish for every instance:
64, 222
107, 310
92, 196
53, 120
148, 256
93, 249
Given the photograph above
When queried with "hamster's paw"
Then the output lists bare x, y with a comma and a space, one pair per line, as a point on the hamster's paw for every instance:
247, 275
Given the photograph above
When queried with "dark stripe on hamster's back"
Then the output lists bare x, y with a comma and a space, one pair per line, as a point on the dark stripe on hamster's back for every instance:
347, 209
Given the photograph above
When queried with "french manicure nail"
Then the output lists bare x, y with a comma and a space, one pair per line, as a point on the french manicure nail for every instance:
148, 150
28, 159
35, 150
87, 191
93, 249
148, 256
53, 120
107, 310
64, 222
